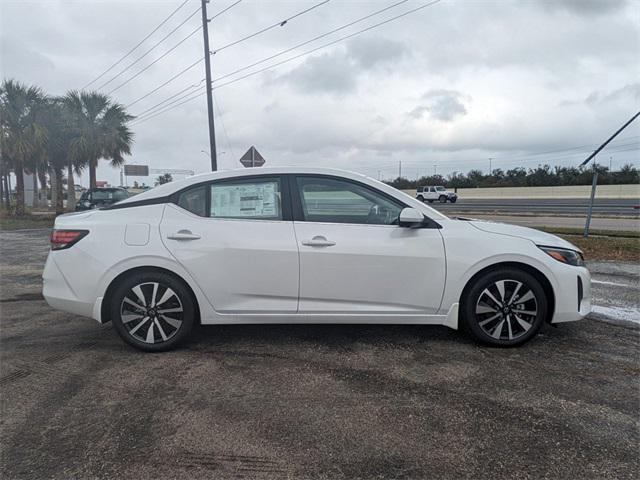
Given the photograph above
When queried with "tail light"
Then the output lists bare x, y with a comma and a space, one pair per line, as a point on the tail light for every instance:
61, 239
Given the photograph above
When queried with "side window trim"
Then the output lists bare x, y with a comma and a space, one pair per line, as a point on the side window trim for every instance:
298, 212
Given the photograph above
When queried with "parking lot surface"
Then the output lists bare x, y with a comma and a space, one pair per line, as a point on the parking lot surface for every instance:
312, 401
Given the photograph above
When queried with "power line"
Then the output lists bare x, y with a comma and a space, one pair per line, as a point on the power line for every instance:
136, 46
333, 42
308, 52
306, 42
185, 69
154, 107
149, 50
156, 60
138, 121
280, 23
181, 72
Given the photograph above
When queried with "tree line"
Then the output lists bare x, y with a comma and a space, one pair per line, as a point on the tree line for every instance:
541, 176
56, 136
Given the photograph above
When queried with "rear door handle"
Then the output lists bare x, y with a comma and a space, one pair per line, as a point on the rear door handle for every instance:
318, 241
183, 235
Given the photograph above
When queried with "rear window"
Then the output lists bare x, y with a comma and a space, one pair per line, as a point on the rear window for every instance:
109, 195
194, 200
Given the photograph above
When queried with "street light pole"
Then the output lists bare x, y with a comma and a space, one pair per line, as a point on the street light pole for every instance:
207, 66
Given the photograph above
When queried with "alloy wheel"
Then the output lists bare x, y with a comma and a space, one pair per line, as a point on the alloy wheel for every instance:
506, 309
151, 312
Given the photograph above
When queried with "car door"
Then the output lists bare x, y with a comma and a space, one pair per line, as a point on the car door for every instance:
238, 243
354, 258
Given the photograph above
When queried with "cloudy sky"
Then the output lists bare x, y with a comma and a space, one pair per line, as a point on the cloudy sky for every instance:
442, 89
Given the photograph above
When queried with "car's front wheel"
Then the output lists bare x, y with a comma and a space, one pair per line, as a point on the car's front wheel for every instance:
504, 308
152, 311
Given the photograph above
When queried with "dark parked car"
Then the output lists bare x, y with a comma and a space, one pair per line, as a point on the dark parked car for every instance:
100, 197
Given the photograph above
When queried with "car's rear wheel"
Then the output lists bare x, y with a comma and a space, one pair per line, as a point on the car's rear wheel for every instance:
504, 308
443, 199
152, 311
421, 198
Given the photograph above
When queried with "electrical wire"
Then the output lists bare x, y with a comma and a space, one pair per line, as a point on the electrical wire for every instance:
184, 70
180, 73
306, 42
137, 60
333, 42
139, 120
280, 23
154, 107
156, 60
136, 46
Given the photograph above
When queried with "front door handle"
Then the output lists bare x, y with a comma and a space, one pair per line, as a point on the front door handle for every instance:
183, 235
318, 241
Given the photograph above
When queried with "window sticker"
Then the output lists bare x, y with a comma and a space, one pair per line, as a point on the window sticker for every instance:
245, 200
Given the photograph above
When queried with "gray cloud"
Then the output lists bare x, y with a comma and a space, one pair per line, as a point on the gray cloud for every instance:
626, 93
338, 71
333, 73
586, 7
440, 104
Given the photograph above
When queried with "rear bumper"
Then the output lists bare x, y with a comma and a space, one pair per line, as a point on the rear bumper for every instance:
573, 295
59, 294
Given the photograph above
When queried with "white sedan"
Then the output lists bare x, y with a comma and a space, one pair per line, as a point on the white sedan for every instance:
305, 245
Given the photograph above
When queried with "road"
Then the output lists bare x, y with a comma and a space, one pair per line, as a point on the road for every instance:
325, 402
545, 206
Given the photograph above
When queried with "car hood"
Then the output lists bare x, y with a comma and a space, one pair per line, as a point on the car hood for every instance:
536, 236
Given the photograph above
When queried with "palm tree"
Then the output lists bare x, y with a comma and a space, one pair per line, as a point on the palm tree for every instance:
99, 130
21, 130
57, 149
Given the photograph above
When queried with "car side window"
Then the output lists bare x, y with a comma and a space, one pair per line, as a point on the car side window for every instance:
337, 201
258, 199
194, 200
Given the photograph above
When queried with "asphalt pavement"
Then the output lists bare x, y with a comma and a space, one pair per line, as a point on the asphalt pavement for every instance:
326, 402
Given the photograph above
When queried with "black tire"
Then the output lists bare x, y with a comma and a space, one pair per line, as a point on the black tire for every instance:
514, 318
170, 327
442, 199
453, 200
421, 198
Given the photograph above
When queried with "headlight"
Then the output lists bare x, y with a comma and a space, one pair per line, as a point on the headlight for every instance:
570, 257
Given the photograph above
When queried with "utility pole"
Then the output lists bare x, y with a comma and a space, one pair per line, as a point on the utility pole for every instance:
490, 159
435, 170
207, 67
610, 160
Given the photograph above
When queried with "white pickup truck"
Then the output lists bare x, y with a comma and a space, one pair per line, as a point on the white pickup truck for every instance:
430, 194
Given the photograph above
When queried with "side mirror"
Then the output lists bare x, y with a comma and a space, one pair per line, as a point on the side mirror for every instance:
411, 217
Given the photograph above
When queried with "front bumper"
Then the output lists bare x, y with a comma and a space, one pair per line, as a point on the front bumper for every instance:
573, 295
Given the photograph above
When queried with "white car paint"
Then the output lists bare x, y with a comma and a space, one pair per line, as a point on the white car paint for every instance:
259, 271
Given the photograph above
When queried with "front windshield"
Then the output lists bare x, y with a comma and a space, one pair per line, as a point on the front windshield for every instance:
439, 189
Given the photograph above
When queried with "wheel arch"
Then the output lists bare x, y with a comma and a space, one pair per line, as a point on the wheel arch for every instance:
105, 311
537, 274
